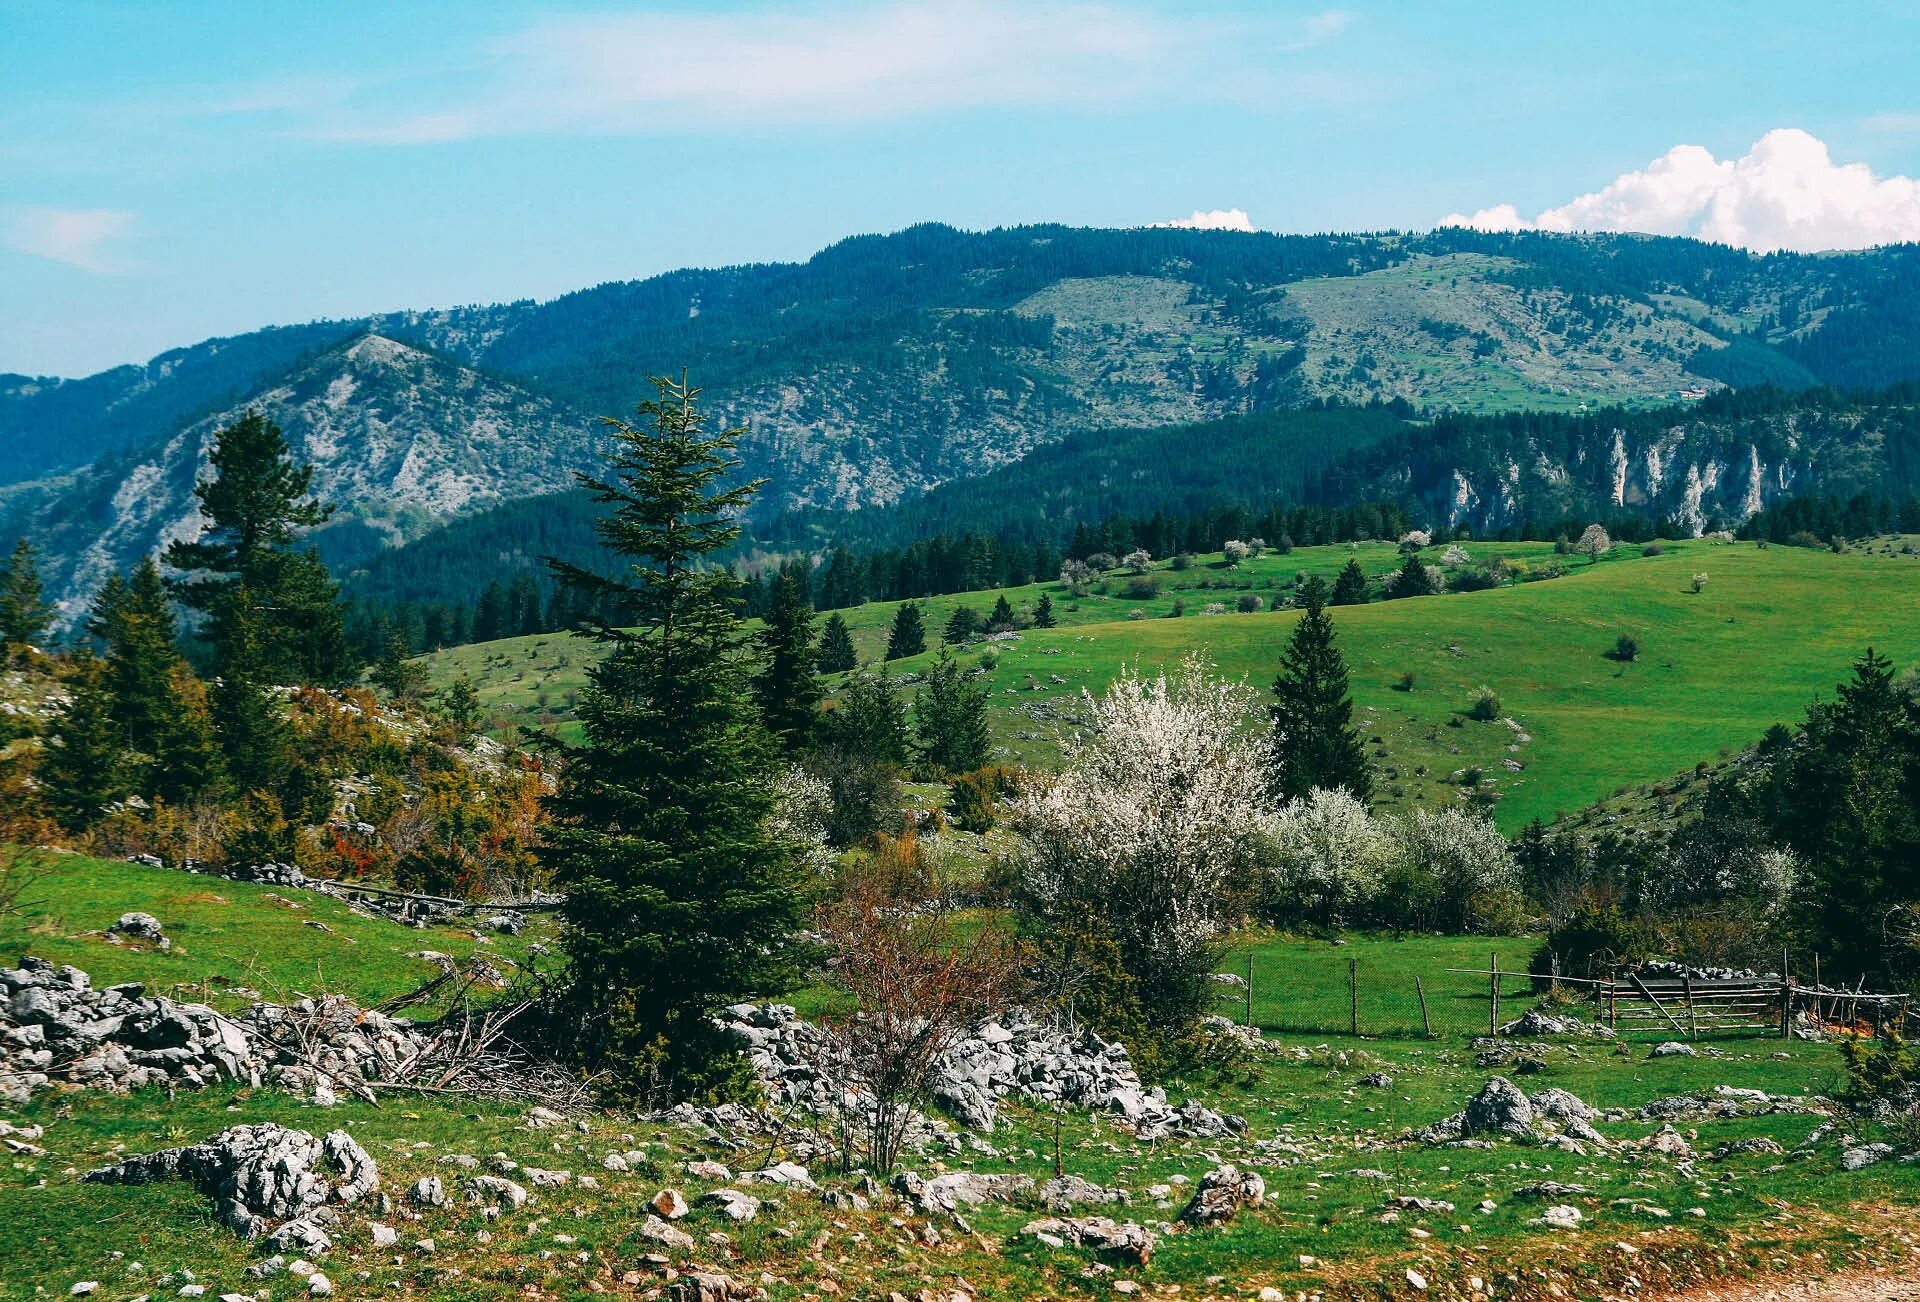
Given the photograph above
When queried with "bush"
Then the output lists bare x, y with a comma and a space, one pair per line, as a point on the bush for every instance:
1653, 549
1183, 561
1626, 649
973, 800
1179, 608
1404, 683
1142, 588
1485, 707
1804, 538
1879, 1070
1248, 603
1595, 937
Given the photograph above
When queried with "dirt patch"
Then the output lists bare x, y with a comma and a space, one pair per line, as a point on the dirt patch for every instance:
1853, 1286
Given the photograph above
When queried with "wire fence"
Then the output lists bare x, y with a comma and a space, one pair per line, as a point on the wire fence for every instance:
1327, 992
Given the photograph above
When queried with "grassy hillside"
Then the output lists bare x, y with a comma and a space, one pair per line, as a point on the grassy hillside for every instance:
1326, 1143
1770, 629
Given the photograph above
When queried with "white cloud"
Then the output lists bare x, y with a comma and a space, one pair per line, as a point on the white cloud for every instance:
653, 71
1216, 219
79, 237
1784, 193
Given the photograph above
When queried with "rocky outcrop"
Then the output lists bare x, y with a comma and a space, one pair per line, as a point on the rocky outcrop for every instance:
1502, 1110
55, 1026
1220, 1195
1123, 1239
260, 1175
1014, 1054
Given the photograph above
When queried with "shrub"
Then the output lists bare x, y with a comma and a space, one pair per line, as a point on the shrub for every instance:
971, 803
1626, 649
1328, 861
1699, 582
1804, 538
1141, 588
1485, 707
1178, 609
1248, 603
1138, 561
1183, 561
1594, 937
1235, 551
1404, 683
1653, 549
1879, 1071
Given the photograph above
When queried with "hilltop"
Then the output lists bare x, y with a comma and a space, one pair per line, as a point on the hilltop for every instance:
1575, 726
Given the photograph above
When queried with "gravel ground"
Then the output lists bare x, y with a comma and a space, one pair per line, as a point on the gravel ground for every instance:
1863, 1286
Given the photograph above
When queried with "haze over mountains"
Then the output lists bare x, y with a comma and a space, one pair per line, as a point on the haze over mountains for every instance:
886, 366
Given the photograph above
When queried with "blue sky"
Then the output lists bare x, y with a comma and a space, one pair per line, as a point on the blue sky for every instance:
173, 171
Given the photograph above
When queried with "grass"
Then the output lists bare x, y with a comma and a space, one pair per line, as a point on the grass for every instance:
1313, 1131
1771, 629
230, 934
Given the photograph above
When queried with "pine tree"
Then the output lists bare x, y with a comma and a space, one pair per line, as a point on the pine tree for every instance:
871, 720
256, 739
1350, 588
1413, 579
460, 704
908, 636
1002, 617
24, 612
788, 687
1043, 612
490, 614
188, 764
82, 771
836, 646
961, 625
134, 622
401, 677
257, 506
678, 900
1315, 744
950, 718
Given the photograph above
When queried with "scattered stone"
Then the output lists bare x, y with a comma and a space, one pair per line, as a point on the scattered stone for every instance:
259, 1174
1550, 1189
670, 1203
1221, 1193
496, 1190
734, 1204
1377, 1080
1673, 1049
1534, 1024
384, 1236
140, 926
656, 1230
1117, 1238
949, 1192
788, 1174
429, 1192
1562, 1217
1068, 1191
1858, 1159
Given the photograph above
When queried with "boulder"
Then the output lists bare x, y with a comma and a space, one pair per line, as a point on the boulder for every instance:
1221, 1193
949, 1192
734, 1204
1124, 1239
1068, 1191
140, 926
656, 1230
259, 1174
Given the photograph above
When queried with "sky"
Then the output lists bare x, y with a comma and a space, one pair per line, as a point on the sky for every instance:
174, 171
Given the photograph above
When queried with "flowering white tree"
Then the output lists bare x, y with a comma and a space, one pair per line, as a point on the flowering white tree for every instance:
1329, 858
1076, 575
1455, 555
1459, 861
1146, 834
801, 812
1416, 539
1236, 550
1594, 542
1138, 561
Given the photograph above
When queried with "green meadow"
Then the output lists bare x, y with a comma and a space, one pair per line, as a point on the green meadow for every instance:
1767, 631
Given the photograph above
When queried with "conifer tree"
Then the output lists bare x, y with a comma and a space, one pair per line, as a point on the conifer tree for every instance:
1413, 579
950, 718
187, 764
81, 770
401, 677
134, 622
679, 901
24, 612
836, 646
870, 720
256, 739
788, 687
1002, 617
1314, 742
1043, 616
460, 703
961, 625
1350, 587
908, 636
257, 506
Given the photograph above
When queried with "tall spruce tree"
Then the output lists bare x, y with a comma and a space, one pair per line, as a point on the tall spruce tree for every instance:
1002, 617
908, 636
950, 718
1350, 587
257, 506
1314, 742
788, 686
678, 900
836, 646
1043, 616
151, 704
1413, 580
962, 624
256, 738
82, 769
870, 720
24, 613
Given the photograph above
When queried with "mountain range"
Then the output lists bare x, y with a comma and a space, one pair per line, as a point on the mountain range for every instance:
887, 366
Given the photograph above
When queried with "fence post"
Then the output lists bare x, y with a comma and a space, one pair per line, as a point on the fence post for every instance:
1493, 981
1786, 999
1819, 1004
1353, 995
1249, 987
1693, 1018
1426, 1022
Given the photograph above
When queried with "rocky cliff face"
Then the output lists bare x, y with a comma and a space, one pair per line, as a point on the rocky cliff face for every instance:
402, 439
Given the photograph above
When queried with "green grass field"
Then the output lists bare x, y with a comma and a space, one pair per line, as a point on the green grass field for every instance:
1328, 1147
1770, 630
